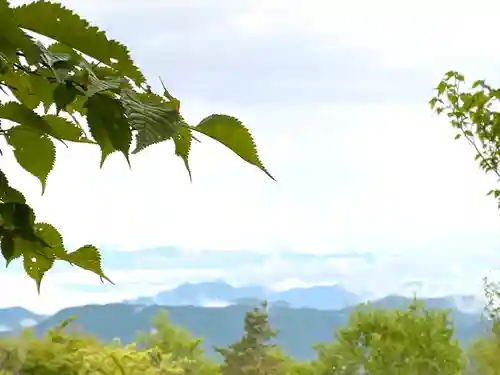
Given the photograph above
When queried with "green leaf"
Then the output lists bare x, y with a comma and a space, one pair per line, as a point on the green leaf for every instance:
182, 141
450, 74
175, 102
64, 94
78, 105
52, 238
234, 135
60, 49
65, 130
23, 90
35, 264
21, 114
59, 23
12, 38
7, 245
43, 89
52, 58
442, 87
154, 121
39, 256
34, 151
14, 215
97, 85
19, 219
7, 193
88, 258
108, 125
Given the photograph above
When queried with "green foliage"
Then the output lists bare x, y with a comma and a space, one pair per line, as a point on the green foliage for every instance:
379, 341
253, 354
484, 354
176, 343
475, 116
59, 353
375, 341
81, 73
238, 139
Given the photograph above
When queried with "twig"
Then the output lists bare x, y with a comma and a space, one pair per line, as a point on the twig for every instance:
78, 123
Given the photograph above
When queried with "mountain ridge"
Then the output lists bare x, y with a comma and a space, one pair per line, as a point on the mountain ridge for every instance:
299, 328
322, 297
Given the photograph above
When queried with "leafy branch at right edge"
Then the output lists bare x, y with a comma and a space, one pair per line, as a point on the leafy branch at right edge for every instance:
475, 116
474, 113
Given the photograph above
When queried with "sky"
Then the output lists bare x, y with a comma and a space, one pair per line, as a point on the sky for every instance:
372, 191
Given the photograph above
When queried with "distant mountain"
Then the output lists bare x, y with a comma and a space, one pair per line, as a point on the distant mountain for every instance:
299, 328
15, 318
465, 304
256, 302
331, 297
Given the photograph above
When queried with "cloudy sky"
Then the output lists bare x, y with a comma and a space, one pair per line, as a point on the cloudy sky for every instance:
372, 191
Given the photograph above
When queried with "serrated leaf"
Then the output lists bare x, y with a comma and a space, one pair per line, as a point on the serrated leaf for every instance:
7, 193
182, 141
7, 245
59, 23
65, 130
78, 105
234, 135
12, 38
154, 122
19, 219
63, 70
64, 94
51, 58
61, 64
102, 72
39, 256
97, 85
36, 265
34, 151
15, 252
52, 238
14, 215
108, 125
60, 49
175, 102
43, 89
88, 258
23, 90
21, 114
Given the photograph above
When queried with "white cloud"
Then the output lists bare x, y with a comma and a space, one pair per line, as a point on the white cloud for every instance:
417, 34
383, 177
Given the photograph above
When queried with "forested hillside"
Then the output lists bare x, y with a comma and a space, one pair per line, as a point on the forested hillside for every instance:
416, 340
299, 329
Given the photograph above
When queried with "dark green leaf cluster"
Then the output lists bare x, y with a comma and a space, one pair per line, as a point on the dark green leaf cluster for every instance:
475, 115
81, 74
